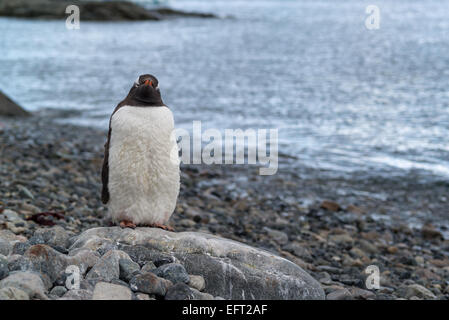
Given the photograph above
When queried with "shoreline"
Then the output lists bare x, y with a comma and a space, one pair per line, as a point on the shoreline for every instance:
319, 223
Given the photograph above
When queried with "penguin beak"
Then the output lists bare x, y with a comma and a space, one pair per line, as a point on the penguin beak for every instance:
148, 83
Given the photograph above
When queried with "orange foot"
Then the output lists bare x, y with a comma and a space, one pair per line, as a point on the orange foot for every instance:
127, 224
162, 226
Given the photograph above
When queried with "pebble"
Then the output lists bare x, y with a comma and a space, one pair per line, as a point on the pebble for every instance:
128, 269
418, 291
180, 291
197, 282
25, 193
278, 236
341, 239
109, 291
148, 267
54, 236
330, 206
29, 282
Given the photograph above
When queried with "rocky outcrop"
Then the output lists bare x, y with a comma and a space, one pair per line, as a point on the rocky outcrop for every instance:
9, 108
231, 270
145, 263
89, 10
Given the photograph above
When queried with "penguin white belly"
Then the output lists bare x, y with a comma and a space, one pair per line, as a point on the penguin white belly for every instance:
143, 165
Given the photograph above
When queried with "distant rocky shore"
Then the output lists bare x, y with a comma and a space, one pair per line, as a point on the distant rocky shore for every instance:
50, 207
90, 10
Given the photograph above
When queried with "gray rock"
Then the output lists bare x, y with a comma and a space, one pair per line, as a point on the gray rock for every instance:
17, 262
11, 215
197, 282
417, 291
10, 236
128, 269
174, 272
51, 264
107, 268
5, 247
143, 296
109, 291
231, 269
30, 282
58, 291
278, 236
77, 294
45, 260
83, 259
180, 291
20, 247
150, 283
143, 255
101, 246
55, 236
12, 293
4, 270
148, 267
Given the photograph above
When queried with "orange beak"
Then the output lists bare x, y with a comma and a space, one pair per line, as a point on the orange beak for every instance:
148, 82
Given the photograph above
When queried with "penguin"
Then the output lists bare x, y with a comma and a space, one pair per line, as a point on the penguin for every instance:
141, 174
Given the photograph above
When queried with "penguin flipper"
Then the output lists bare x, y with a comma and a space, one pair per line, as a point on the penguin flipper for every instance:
105, 171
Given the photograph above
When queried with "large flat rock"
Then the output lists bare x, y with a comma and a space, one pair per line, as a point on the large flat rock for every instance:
231, 269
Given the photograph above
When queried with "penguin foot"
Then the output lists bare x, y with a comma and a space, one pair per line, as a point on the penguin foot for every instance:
127, 224
161, 226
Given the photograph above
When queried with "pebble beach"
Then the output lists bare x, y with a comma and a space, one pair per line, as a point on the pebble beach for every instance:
50, 193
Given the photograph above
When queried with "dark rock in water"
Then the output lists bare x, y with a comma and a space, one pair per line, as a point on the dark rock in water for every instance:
8, 107
89, 10
174, 272
173, 12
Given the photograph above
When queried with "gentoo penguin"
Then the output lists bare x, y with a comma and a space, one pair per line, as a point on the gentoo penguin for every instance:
140, 174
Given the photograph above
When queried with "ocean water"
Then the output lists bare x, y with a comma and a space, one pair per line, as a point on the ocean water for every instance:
344, 98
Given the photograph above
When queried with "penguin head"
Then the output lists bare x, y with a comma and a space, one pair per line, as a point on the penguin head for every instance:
146, 90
